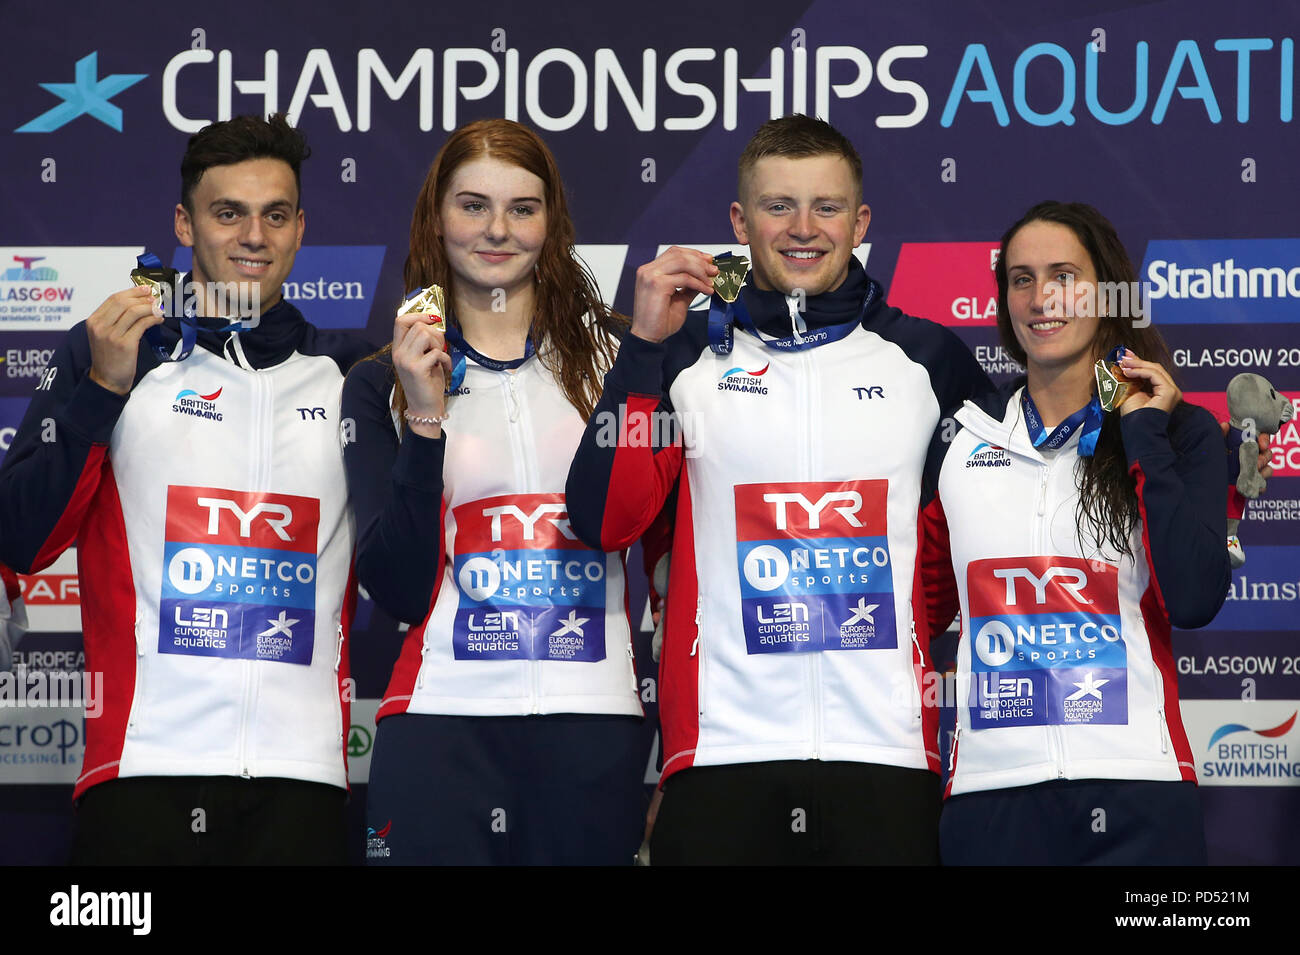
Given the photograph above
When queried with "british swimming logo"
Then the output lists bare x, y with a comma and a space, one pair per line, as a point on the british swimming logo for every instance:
988, 455
377, 841
1272, 733
190, 402
748, 382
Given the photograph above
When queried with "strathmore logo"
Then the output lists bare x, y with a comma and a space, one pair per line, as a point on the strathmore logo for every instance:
190, 402
738, 379
988, 455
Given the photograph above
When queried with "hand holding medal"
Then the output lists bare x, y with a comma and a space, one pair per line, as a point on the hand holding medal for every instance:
421, 359
665, 289
1128, 383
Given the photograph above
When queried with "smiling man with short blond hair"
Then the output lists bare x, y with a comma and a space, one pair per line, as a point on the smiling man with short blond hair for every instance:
794, 730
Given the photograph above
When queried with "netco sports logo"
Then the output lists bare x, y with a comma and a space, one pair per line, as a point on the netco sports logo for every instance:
239, 575
815, 573
529, 589
1045, 643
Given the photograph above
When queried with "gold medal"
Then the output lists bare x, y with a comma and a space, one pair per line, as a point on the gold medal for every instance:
154, 281
1112, 384
731, 276
429, 301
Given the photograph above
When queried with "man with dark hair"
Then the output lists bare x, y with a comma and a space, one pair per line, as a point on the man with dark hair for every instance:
214, 545
791, 676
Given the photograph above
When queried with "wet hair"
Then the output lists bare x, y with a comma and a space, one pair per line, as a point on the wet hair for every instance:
239, 139
1108, 504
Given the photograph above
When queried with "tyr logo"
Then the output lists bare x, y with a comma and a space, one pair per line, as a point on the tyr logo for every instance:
216, 505
311, 414
529, 521
849, 511
874, 391
1076, 578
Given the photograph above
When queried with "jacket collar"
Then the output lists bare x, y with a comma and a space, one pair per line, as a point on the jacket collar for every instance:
1009, 431
278, 334
770, 309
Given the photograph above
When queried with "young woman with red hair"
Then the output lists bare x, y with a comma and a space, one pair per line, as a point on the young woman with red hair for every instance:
511, 729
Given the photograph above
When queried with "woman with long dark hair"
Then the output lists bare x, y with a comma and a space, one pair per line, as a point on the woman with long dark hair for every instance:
510, 731
1073, 537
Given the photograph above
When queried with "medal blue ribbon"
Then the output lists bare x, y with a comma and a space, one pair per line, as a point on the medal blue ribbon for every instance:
460, 350
185, 317
1089, 418
724, 315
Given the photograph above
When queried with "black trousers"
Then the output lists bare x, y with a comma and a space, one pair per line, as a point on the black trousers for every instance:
798, 812
210, 820
563, 789
1076, 822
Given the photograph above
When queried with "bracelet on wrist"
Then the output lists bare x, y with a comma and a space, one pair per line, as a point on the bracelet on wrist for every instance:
424, 419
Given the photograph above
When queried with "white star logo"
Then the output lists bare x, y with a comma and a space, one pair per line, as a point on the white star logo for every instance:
573, 624
1089, 687
279, 625
861, 612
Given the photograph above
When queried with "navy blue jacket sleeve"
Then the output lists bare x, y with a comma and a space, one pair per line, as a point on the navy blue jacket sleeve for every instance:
623, 473
956, 376
395, 490
1182, 479
57, 458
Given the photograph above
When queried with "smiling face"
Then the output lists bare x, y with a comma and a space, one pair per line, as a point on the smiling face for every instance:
1051, 295
245, 225
492, 223
802, 219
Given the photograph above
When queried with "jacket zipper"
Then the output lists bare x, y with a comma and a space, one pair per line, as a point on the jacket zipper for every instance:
1160, 708
697, 651
339, 689
261, 474
631, 662
524, 483
247, 667
805, 412
138, 703
1057, 738
1055, 741
919, 709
